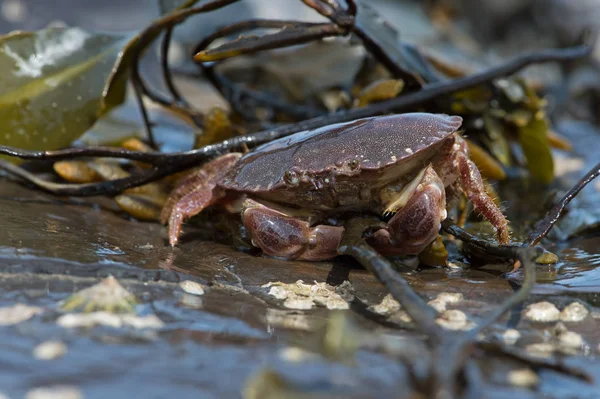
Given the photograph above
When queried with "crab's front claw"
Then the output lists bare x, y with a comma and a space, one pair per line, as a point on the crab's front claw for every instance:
285, 236
420, 208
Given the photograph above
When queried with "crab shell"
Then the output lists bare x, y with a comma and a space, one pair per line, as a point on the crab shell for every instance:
335, 165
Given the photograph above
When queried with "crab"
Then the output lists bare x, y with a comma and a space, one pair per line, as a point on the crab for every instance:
293, 192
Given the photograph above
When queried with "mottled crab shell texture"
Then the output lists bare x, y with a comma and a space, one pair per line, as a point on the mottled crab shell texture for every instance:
344, 149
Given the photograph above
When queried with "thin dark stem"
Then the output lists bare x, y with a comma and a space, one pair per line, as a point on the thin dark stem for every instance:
140, 44
333, 10
166, 71
245, 26
490, 248
354, 244
324, 9
70, 153
527, 258
181, 108
106, 188
542, 227
235, 93
418, 310
287, 36
137, 87
351, 7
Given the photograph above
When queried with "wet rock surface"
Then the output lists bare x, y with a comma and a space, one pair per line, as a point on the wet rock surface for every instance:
210, 343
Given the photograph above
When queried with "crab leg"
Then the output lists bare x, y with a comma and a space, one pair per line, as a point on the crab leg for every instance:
194, 193
472, 185
284, 236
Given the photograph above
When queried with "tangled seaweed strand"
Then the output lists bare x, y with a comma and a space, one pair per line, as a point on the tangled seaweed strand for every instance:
541, 228
169, 163
450, 350
166, 23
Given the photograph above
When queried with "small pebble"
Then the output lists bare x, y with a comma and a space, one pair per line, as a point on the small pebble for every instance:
336, 303
299, 303
295, 355
279, 292
547, 258
450, 297
524, 378
443, 299
388, 305
55, 392
192, 287
50, 350
400, 317
18, 313
570, 339
511, 336
452, 265
108, 295
454, 320
149, 321
543, 312
575, 312
73, 320
438, 305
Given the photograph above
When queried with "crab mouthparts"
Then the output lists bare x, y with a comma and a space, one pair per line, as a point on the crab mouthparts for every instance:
405, 194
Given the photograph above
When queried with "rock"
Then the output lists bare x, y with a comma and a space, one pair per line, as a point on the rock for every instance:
454, 320
73, 320
192, 287
108, 296
511, 336
543, 312
18, 313
50, 350
387, 306
55, 392
304, 296
524, 378
574, 312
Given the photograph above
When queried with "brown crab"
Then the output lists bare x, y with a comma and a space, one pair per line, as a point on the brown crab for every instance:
291, 191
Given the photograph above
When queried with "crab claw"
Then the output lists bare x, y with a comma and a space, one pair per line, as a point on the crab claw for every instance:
420, 208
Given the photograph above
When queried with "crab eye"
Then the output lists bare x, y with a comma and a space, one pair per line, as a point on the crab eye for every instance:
291, 178
353, 164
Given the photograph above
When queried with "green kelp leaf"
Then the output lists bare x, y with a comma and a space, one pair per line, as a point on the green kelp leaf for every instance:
495, 139
533, 138
51, 84
166, 6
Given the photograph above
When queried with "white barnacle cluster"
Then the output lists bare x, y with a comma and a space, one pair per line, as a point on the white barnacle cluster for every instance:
306, 296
